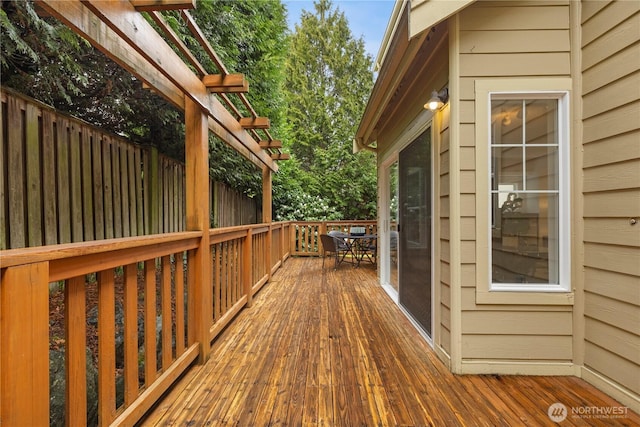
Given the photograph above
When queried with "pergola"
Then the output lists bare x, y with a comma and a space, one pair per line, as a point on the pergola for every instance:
212, 102
120, 30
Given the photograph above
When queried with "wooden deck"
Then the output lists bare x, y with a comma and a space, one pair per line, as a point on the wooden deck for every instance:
330, 348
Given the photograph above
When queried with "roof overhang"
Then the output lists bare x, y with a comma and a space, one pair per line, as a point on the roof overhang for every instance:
427, 13
405, 34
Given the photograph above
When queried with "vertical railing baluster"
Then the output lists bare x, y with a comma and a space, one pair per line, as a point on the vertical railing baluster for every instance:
150, 322
130, 333
75, 352
165, 295
179, 292
106, 348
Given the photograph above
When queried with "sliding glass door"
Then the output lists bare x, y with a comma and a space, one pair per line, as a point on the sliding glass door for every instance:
414, 237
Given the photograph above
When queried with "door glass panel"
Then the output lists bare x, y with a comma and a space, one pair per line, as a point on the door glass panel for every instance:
393, 225
415, 229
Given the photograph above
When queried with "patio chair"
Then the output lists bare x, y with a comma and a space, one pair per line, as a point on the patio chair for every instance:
336, 246
369, 249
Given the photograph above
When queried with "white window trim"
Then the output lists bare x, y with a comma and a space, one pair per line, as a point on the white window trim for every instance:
505, 293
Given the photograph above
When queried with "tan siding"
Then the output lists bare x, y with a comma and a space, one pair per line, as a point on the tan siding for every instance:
446, 322
468, 275
468, 205
445, 339
590, 8
444, 194
615, 67
611, 170
445, 300
605, 24
467, 158
443, 279
617, 176
468, 228
467, 182
620, 287
620, 314
506, 39
611, 232
469, 304
612, 366
516, 64
619, 204
615, 340
522, 41
468, 252
622, 91
618, 258
515, 18
517, 347
612, 150
614, 122
614, 41
518, 323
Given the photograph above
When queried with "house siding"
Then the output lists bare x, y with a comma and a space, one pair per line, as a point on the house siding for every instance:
506, 39
442, 220
611, 190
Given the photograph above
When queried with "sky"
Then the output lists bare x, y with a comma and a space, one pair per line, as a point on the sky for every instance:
367, 18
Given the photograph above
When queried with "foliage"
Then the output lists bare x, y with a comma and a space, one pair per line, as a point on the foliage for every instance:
312, 84
44, 59
328, 80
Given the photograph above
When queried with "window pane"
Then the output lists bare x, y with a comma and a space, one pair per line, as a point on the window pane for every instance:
525, 244
542, 168
507, 168
506, 122
541, 121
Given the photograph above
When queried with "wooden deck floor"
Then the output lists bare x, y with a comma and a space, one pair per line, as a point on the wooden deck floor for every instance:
330, 348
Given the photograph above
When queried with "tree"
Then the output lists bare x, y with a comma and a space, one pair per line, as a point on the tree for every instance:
44, 59
328, 80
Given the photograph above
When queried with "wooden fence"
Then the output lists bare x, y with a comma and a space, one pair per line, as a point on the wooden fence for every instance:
63, 180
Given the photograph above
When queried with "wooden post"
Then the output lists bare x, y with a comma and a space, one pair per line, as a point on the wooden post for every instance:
267, 214
24, 345
197, 186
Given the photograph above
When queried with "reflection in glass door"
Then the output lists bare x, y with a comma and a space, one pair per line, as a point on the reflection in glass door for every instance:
414, 173
393, 225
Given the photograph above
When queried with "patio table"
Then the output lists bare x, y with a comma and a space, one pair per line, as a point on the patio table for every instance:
361, 246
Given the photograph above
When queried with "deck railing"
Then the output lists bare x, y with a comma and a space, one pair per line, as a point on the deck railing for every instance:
305, 235
123, 315
143, 338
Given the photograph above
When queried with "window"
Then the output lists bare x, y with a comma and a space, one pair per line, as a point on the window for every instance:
524, 146
524, 190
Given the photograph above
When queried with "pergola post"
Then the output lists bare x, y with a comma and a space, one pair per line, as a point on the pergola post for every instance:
24, 345
267, 212
197, 219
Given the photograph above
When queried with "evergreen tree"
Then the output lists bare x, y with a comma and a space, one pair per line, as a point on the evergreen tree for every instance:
328, 81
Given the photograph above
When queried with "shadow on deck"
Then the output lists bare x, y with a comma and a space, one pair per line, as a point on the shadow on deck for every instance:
330, 348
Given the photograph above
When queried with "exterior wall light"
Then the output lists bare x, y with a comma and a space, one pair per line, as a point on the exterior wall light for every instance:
438, 99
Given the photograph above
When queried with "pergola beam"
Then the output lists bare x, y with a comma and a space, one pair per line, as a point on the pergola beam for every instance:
271, 144
119, 31
226, 83
255, 122
280, 156
148, 5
